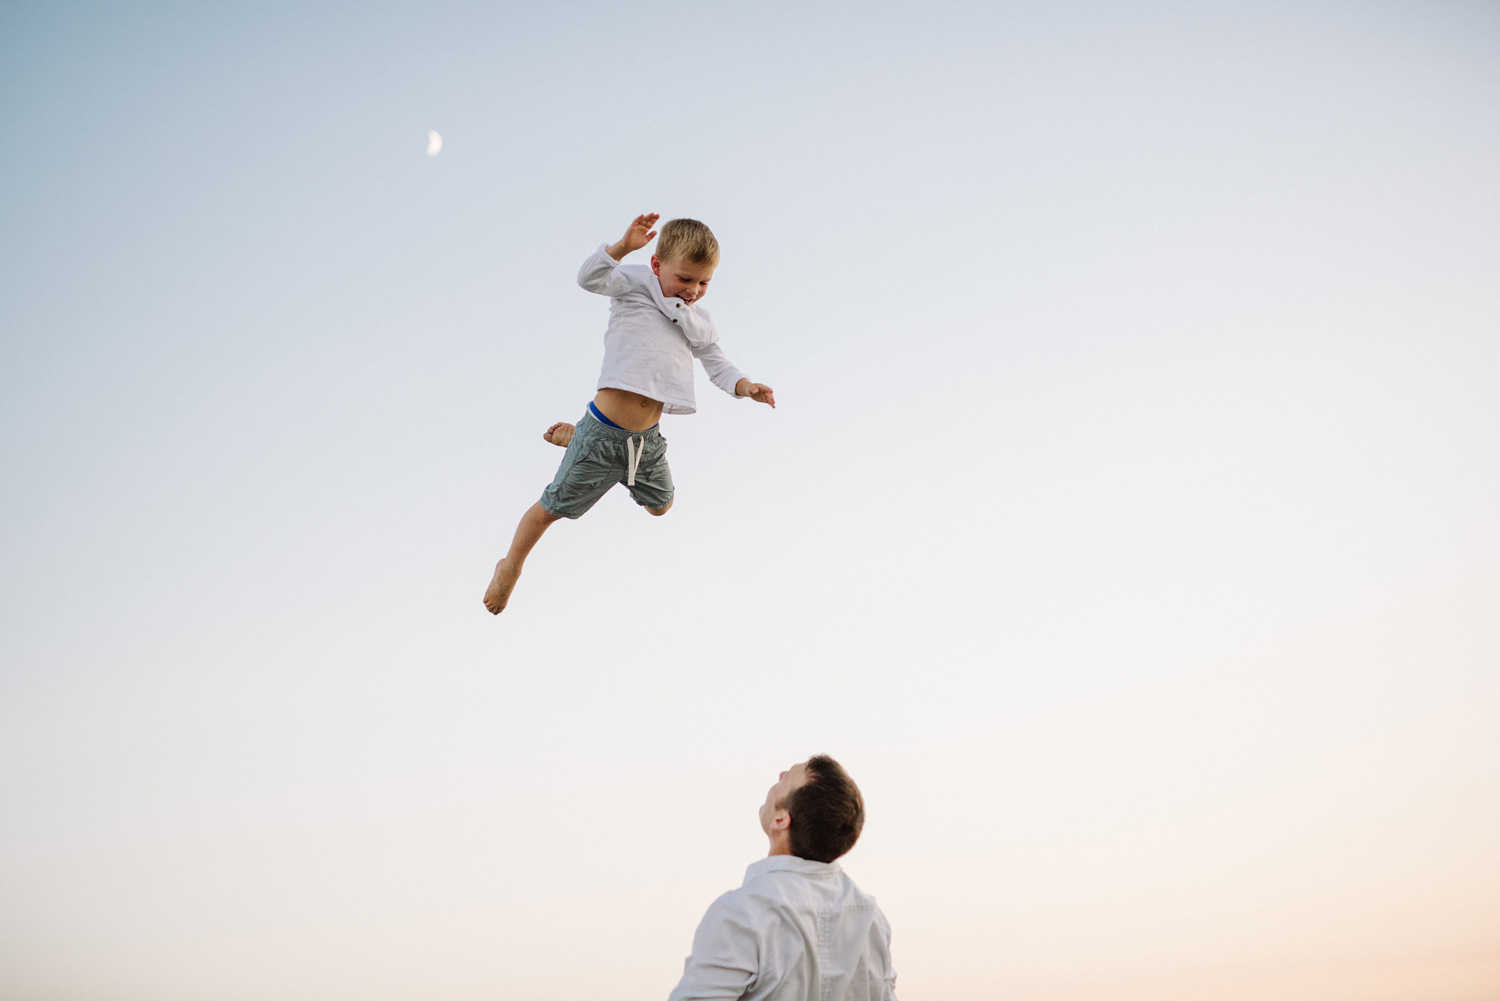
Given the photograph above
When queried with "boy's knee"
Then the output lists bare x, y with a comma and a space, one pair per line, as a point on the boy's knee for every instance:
659, 511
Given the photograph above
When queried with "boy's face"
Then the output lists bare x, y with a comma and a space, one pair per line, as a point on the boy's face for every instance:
682, 280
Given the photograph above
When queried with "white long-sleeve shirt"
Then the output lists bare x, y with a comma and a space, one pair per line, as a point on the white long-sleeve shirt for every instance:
651, 340
796, 930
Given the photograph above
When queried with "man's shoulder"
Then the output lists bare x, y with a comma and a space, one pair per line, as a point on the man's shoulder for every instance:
732, 907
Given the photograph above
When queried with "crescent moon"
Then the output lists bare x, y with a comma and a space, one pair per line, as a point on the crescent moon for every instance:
434, 143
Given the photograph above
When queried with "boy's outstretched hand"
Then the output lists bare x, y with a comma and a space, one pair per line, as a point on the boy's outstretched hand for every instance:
757, 391
636, 236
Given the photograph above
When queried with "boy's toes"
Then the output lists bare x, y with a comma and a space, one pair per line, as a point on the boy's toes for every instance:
559, 434
497, 595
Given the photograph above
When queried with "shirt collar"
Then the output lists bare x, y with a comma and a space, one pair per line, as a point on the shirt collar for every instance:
669, 306
790, 863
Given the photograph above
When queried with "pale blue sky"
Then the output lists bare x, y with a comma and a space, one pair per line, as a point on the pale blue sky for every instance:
1127, 525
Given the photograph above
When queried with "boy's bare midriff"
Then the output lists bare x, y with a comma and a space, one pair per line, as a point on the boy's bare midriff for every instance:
631, 411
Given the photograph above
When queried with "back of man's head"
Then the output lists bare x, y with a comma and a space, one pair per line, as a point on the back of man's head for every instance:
827, 811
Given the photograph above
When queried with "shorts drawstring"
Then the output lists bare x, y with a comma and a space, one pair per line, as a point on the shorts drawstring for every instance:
634, 454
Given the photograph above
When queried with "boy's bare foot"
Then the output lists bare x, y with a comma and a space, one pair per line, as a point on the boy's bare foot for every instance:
559, 434
498, 593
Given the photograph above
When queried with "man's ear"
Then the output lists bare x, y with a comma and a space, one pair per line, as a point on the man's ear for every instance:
655, 265
781, 820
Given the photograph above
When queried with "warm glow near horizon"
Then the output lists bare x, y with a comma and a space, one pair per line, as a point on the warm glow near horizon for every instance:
1126, 525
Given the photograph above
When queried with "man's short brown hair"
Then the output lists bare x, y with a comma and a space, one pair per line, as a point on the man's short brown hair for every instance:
687, 240
827, 811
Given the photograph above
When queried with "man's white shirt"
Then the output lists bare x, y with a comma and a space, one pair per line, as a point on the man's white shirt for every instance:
797, 930
651, 340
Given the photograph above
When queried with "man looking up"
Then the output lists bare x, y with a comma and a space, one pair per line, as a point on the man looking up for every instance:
798, 929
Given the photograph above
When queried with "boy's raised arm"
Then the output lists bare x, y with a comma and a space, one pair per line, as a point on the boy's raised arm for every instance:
637, 235
597, 273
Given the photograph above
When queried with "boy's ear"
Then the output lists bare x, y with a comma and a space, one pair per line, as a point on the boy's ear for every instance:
655, 265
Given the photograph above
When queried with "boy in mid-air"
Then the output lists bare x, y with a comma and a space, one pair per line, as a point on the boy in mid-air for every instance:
656, 329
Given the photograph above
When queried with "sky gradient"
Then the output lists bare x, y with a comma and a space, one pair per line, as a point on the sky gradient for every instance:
1127, 524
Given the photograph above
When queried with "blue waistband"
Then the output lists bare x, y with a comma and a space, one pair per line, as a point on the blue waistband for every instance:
598, 416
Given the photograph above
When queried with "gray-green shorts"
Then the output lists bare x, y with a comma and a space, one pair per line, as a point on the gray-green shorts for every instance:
598, 457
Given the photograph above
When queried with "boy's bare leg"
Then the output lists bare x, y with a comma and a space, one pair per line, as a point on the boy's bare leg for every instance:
534, 522
559, 434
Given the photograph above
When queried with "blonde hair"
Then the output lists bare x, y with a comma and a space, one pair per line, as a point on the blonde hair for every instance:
687, 240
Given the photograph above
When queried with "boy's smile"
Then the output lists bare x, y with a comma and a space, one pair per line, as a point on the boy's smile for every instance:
682, 280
